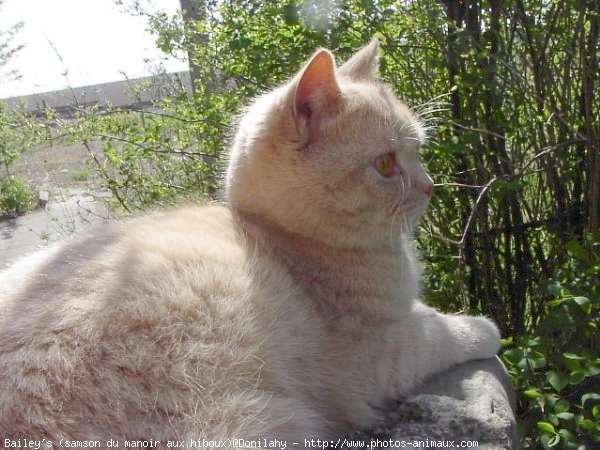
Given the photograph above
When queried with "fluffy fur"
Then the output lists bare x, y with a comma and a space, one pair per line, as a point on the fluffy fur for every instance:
289, 312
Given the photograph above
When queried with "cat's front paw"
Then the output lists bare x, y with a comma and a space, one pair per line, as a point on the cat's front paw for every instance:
484, 337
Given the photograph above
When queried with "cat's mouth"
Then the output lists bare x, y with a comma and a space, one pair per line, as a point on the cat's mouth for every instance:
411, 207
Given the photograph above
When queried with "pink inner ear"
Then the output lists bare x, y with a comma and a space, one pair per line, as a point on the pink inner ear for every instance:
303, 108
317, 92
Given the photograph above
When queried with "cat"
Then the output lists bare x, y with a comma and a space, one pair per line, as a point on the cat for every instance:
289, 312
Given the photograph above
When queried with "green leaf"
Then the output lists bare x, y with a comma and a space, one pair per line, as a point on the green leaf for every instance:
514, 355
545, 439
550, 400
546, 427
576, 377
590, 396
555, 440
561, 406
584, 303
558, 319
555, 288
572, 356
565, 434
554, 303
532, 342
591, 370
576, 250
557, 380
566, 416
532, 393
587, 424
291, 14
573, 365
512, 185
538, 362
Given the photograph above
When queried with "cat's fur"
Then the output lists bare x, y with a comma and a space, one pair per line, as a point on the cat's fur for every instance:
290, 312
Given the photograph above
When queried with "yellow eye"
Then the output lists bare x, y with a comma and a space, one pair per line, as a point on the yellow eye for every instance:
386, 165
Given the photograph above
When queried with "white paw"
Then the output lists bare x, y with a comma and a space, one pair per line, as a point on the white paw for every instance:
482, 336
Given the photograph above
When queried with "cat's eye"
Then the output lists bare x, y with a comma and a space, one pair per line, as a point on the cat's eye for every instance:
386, 165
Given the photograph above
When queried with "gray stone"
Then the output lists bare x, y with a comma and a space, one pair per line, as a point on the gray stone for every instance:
471, 402
43, 197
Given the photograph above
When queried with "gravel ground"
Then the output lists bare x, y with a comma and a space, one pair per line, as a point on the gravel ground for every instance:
56, 167
76, 199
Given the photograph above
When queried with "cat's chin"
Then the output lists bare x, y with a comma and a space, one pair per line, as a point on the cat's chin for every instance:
409, 213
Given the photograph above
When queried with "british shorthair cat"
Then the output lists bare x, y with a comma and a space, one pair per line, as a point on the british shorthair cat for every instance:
288, 312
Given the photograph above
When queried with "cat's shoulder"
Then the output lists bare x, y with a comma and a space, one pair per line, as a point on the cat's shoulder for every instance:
195, 221
186, 233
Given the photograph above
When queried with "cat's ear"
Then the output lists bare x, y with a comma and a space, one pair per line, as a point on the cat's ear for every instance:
317, 94
364, 64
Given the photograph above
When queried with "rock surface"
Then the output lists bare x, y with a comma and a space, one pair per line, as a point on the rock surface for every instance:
469, 406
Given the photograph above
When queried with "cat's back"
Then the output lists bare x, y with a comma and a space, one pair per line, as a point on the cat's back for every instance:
141, 253
127, 322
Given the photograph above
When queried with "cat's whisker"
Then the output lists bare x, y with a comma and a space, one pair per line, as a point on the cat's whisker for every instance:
405, 229
428, 113
428, 127
433, 103
404, 125
403, 188
435, 99
430, 122
431, 109
392, 228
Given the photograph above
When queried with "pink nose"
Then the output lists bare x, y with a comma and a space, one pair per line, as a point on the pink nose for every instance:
425, 185
427, 188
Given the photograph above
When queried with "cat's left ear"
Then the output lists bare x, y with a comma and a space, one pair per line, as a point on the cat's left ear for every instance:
316, 94
364, 64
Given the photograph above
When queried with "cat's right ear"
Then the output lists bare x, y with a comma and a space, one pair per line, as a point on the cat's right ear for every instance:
364, 64
316, 95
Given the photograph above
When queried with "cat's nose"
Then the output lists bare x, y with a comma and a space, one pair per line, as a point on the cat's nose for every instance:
426, 186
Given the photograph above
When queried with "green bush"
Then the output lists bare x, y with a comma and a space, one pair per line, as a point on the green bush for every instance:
155, 157
15, 197
556, 371
18, 133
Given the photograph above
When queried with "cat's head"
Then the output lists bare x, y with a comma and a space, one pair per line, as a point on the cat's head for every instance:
331, 155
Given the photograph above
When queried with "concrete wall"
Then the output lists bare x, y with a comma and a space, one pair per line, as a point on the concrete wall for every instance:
125, 94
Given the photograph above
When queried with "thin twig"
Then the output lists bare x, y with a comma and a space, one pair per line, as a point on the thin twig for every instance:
150, 149
470, 186
106, 176
180, 119
549, 149
463, 239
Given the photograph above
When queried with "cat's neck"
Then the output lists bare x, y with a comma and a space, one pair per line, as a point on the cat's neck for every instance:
344, 283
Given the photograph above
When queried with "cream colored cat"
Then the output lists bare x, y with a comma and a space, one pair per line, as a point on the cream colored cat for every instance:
289, 313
